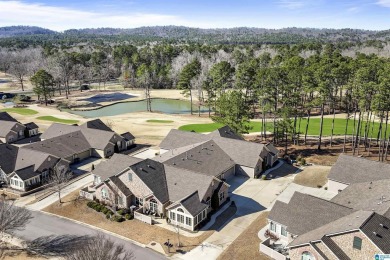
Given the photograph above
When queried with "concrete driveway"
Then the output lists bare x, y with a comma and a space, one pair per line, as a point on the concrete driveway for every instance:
251, 196
42, 225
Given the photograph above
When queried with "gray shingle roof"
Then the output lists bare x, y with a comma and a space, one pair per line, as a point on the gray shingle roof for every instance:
96, 124
26, 173
192, 204
8, 155
177, 138
114, 166
377, 229
225, 132
128, 136
305, 213
120, 185
56, 130
366, 196
152, 173
4, 116
350, 169
62, 146
183, 182
31, 126
344, 224
207, 158
6, 127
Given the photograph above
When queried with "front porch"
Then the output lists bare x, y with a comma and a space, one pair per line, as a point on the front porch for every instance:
273, 250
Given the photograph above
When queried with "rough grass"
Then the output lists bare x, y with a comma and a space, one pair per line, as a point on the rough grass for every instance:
313, 176
246, 246
77, 209
58, 120
313, 129
20, 111
159, 121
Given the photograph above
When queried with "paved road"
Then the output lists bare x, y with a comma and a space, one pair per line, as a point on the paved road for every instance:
46, 225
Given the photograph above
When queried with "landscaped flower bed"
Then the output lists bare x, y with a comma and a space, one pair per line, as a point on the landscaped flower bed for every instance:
119, 217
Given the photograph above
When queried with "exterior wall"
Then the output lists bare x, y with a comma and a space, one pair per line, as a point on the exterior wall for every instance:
296, 253
109, 150
225, 190
126, 201
285, 240
264, 248
229, 173
345, 242
245, 171
97, 153
186, 216
11, 137
162, 151
335, 186
33, 132
136, 185
16, 183
84, 155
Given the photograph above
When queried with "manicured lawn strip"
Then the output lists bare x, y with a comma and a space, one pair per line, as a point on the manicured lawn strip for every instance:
20, 111
314, 127
58, 120
77, 209
246, 245
159, 121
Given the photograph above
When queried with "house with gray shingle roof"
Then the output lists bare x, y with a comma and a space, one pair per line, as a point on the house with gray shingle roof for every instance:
10, 129
355, 224
249, 158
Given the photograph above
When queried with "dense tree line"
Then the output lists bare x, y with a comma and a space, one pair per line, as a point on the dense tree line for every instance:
282, 84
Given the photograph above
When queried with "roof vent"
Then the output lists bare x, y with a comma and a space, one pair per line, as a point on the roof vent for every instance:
174, 163
148, 165
377, 235
383, 226
141, 169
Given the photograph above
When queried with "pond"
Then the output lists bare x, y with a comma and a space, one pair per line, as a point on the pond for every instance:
167, 106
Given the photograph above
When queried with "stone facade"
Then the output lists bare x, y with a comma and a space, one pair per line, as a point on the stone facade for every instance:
296, 253
124, 202
326, 251
345, 242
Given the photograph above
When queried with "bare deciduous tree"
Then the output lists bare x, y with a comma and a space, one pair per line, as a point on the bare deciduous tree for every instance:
58, 178
100, 247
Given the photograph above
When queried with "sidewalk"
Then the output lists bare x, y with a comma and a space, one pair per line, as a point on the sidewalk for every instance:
67, 190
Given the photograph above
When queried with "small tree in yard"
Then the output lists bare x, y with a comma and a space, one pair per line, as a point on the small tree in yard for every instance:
100, 247
58, 179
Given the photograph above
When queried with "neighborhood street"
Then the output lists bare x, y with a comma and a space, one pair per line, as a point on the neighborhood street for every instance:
46, 225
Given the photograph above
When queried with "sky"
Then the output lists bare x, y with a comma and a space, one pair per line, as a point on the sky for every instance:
61, 15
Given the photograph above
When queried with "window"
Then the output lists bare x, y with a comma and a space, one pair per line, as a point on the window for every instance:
203, 214
139, 201
221, 196
153, 205
120, 200
180, 218
307, 256
273, 226
283, 231
104, 193
130, 177
188, 221
180, 210
173, 215
357, 243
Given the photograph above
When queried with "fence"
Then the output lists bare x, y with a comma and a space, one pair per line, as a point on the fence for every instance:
264, 248
85, 193
144, 218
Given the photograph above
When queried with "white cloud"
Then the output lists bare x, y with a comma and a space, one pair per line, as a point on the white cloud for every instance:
61, 18
385, 3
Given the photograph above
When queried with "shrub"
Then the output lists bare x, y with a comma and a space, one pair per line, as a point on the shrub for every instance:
319, 186
263, 177
120, 212
117, 218
105, 210
303, 161
326, 188
129, 216
99, 208
108, 215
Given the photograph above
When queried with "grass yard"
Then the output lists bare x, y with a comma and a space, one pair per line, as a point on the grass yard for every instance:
77, 209
20, 111
313, 176
58, 120
313, 129
159, 121
246, 246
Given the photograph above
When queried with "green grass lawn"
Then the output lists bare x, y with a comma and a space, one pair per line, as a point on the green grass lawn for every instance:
159, 121
20, 111
58, 120
314, 127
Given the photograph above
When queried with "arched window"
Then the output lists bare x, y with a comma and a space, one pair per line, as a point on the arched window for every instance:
180, 210
307, 256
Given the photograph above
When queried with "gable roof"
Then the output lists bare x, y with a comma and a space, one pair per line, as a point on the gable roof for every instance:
176, 139
350, 170
114, 166
31, 125
366, 196
305, 213
96, 124
120, 185
8, 156
4, 116
225, 132
344, 224
62, 146
152, 173
57, 129
128, 136
377, 229
26, 173
207, 158
6, 127
193, 204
